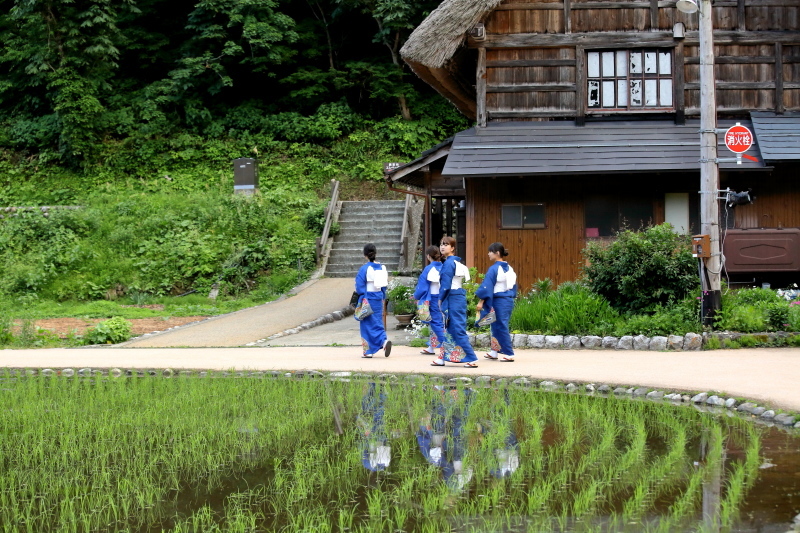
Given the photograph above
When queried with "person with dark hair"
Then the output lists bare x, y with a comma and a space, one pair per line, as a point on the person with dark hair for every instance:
453, 302
428, 291
371, 282
497, 292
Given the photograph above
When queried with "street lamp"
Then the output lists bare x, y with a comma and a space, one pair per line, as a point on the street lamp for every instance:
709, 167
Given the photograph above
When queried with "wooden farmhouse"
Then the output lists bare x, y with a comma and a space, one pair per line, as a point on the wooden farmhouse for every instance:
587, 121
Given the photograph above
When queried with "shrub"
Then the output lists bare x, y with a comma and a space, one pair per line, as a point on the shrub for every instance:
713, 343
111, 331
641, 269
677, 319
572, 309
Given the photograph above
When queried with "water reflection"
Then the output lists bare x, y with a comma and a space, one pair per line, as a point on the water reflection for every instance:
376, 453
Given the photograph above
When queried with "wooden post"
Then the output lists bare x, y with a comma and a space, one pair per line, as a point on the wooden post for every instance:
428, 213
779, 78
678, 86
580, 86
709, 166
480, 88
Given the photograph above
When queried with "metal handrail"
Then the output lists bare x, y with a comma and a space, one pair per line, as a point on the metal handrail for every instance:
328, 218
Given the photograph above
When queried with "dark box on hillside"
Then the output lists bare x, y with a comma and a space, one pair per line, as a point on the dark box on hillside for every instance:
245, 175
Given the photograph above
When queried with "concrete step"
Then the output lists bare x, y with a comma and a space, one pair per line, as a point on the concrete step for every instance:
385, 250
383, 225
372, 204
367, 219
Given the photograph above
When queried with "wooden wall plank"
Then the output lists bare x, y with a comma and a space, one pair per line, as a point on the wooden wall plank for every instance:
480, 88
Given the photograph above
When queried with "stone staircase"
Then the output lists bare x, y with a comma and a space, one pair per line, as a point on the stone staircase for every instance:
378, 222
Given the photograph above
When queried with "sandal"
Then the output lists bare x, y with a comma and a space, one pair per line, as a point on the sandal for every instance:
507, 359
434, 363
387, 348
471, 365
487, 356
426, 352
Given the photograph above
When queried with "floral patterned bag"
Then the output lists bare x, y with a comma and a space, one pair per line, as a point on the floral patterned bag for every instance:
424, 311
363, 310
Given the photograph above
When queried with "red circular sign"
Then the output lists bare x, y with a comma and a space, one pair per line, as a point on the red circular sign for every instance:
738, 138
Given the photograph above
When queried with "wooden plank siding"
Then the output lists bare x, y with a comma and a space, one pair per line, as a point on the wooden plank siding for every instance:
777, 203
535, 54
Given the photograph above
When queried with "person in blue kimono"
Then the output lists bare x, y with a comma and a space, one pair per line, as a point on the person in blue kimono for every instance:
453, 303
443, 439
376, 454
371, 282
428, 291
498, 290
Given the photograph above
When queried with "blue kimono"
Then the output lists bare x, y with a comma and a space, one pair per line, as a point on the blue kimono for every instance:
375, 449
453, 303
423, 294
502, 302
373, 334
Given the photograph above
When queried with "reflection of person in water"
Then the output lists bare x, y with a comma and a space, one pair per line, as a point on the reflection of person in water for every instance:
442, 437
376, 453
507, 457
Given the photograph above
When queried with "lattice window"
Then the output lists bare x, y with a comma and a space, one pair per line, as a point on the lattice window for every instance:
523, 216
629, 79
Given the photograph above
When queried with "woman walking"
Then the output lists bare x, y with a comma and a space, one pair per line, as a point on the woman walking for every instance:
498, 290
453, 302
428, 291
371, 282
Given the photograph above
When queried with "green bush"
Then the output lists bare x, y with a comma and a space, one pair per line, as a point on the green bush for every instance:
753, 311
111, 331
679, 318
572, 309
641, 269
713, 343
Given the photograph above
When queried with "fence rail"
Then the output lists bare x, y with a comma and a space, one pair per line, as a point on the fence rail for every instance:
328, 218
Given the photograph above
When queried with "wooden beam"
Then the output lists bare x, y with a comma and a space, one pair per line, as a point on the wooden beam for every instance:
567, 16
533, 114
642, 4
678, 95
653, 14
732, 60
580, 86
480, 88
734, 85
500, 63
530, 87
741, 19
779, 78
615, 39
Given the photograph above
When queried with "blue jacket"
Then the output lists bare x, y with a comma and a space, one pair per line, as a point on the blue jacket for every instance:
423, 290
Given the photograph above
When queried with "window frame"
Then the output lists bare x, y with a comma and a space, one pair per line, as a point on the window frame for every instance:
522, 206
628, 107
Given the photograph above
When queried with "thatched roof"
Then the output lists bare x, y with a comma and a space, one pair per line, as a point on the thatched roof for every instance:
434, 42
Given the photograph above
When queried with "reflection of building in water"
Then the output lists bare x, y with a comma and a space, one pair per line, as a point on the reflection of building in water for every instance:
442, 436
376, 453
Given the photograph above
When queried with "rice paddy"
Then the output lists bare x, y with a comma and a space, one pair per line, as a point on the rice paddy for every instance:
190, 454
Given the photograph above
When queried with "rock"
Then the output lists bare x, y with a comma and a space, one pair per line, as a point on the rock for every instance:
536, 341
641, 391
415, 378
471, 337
68, 372
655, 395
692, 342
625, 343
553, 341
183, 373
673, 397
521, 382
85, 372
685, 398
675, 342
590, 387
572, 342
797, 425
768, 414
700, 398
746, 407
482, 340
167, 372
758, 411
784, 419
483, 381
591, 341
605, 389
461, 379
730, 403
548, 385
658, 344
715, 400
337, 315
620, 390
571, 387
610, 343
641, 342
386, 377
48, 372
343, 374
520, 341
630, 390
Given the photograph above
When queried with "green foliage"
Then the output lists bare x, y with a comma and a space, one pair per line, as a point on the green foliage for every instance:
677, 318
572, 309
111, 331
6, 333
641, 269
402, 298
418, 343
713, 343
748, 341
794, 340
753, 311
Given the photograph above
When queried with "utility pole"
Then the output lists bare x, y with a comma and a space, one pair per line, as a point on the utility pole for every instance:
709, 164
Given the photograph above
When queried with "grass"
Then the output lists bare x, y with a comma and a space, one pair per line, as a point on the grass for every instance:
261, 454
